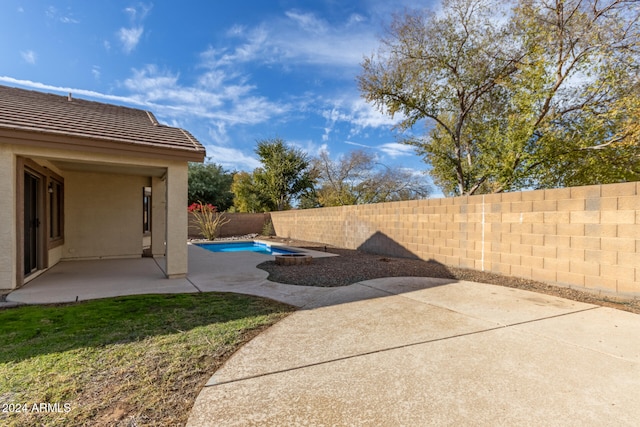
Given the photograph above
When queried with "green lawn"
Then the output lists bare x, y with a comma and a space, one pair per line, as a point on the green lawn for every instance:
138, 360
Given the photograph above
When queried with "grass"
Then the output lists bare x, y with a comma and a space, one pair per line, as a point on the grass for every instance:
130, 361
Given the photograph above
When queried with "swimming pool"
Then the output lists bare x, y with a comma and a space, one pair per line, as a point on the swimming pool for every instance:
259, 247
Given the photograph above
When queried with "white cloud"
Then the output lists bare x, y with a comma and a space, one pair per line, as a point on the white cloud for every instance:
95, 71
65, 90
53, 13
130, 37
301, 38
232, 158
29, 56
357, 144
395, 149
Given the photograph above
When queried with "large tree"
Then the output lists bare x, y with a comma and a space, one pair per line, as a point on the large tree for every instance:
210, 183
247, 197
356, 178
283, 178
541, 96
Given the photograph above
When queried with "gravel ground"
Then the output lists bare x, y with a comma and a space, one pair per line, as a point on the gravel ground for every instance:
354, 266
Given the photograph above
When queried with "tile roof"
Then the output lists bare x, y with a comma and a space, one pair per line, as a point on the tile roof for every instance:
32, 111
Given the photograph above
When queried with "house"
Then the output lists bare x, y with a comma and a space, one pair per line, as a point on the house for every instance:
88, 180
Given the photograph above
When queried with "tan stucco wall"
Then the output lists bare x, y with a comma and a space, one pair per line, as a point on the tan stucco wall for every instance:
7, 218
103, 208
103, 215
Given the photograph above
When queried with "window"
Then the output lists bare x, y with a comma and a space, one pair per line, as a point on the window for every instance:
146, 210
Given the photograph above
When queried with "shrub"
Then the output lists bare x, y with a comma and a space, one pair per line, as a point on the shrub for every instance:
207, 219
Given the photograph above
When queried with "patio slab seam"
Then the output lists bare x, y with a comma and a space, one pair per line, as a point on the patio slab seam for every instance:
213, 383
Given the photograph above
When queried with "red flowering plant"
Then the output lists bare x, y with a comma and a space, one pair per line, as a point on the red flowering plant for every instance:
207, 219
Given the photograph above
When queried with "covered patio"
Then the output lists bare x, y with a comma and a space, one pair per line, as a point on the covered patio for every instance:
70, 281
83, 180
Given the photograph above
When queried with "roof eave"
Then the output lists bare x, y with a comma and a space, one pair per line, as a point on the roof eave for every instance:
99, 145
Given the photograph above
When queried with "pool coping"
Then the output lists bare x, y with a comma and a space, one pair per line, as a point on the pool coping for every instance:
294, 249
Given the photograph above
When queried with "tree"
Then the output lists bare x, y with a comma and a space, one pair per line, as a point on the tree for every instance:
356, 178
513, 102
209, 183
284, 175
247, 198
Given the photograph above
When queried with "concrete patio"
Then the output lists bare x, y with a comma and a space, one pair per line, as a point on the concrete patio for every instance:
393, 351
70, 281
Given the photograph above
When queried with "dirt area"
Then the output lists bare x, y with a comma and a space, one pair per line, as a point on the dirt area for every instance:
354, 266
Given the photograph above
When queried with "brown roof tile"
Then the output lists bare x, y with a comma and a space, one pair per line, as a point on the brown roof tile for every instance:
46, 113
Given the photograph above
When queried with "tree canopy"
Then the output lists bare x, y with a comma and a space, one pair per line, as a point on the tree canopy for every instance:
527, 93
210, 183
356, 178
283, 178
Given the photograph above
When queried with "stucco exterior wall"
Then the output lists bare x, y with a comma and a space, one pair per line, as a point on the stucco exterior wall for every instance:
103, 205
7, 218
103, 215
583, 237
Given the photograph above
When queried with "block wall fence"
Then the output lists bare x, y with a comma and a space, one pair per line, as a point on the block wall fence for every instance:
239, 224
582, 237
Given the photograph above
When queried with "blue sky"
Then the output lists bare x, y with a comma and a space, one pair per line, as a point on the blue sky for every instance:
231, 73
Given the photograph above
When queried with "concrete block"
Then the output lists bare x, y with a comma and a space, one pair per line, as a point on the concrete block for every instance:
600, 230
521, 271
629, 259
599, 282
572, 279
629, 230
582, 242
543, 229
601, 257
585, 192
509, 258
619, 272
618, 217
623, 189
556, 217
629, 287
545, 205
592, 204
571, 205
532, 239
499, 268
543, 275
511, 197
571, 254
585, 268
533, 195
570, 230
585, 217
556, 264
532, 261
519, 207
544, 251
629, 203
619, 244
521, 228
557, 194
608, 203
519, 249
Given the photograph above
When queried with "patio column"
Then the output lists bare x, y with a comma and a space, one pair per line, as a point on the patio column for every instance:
176, 220
8, 236
158, 216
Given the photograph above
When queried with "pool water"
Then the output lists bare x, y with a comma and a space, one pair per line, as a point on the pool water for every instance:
258, 247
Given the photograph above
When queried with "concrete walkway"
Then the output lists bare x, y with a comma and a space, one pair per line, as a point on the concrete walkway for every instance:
394, 351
